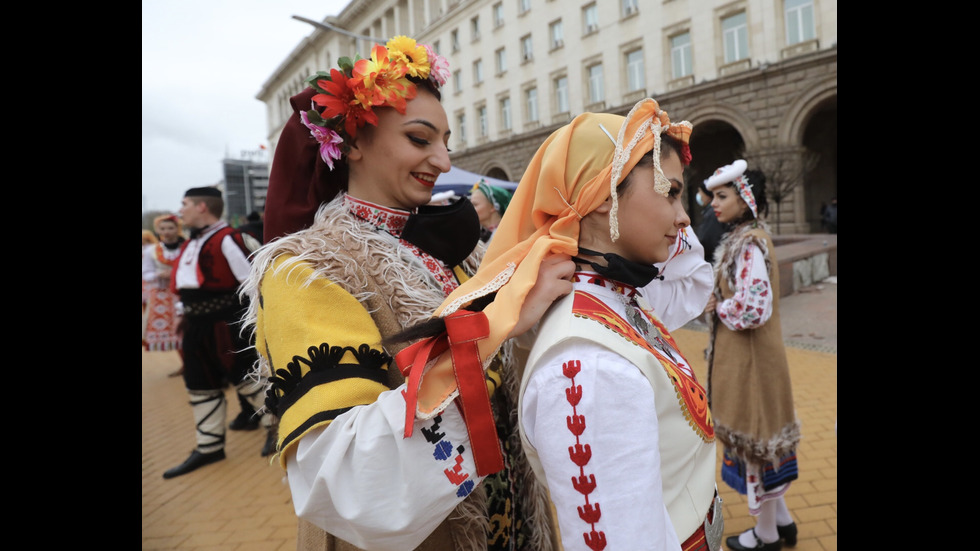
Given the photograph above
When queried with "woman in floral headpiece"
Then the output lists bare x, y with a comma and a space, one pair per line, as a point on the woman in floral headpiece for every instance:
354, 254
748, 374
158, 325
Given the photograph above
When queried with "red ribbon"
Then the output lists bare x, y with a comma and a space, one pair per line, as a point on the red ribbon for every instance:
463, 330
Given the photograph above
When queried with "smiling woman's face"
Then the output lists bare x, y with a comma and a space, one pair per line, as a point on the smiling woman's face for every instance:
396, 163
727, 204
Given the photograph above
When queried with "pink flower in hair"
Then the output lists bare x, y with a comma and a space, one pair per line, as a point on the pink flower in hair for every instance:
329, 140
438, 66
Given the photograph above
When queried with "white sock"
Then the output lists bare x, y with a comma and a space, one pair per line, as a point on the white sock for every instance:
765, 525
783, 518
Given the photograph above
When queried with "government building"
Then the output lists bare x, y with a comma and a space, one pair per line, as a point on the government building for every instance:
756, 78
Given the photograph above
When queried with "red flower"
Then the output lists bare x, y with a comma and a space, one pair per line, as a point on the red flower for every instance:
339, 96
340, 100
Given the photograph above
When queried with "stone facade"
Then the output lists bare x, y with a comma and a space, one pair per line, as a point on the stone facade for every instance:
775, 105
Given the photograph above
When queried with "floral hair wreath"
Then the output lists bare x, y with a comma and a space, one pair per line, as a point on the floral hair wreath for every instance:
348, 95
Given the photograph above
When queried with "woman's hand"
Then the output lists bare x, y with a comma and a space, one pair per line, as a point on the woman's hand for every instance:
554, 281
710, 307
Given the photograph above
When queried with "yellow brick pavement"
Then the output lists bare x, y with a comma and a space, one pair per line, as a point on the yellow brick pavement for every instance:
243, 504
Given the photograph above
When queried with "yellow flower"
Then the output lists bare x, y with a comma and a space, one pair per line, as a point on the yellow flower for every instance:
405, 51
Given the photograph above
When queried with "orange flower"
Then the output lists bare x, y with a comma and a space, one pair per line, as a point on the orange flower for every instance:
378, 81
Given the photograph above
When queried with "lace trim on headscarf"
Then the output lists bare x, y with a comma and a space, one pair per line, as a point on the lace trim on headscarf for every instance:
622, 155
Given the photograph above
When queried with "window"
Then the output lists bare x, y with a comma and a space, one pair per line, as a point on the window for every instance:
799, 21
505, 123
482, 115
596, 91
557, 34
475, 28
458, 81
590, 19
531, 101
523, 6
630, 7
477, 71
501, 57
498, 14
461, 126
634, 71
735, 36
436, 48
561, 94
680, 55
454, 38
527, 52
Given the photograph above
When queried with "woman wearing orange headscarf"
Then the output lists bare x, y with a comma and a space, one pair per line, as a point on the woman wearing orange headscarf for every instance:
611, 415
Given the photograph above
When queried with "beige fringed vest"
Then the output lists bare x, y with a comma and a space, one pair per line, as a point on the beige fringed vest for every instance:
335, 243
749, 387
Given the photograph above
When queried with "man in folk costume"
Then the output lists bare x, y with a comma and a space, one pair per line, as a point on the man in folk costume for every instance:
208, 273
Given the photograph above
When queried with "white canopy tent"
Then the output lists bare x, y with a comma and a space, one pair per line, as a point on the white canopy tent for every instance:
459, 177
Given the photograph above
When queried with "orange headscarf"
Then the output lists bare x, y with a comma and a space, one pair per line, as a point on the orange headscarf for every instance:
573, 172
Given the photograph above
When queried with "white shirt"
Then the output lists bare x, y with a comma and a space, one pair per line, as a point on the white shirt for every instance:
688, 281
345, 477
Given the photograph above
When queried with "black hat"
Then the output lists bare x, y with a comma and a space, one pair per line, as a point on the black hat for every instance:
203, 192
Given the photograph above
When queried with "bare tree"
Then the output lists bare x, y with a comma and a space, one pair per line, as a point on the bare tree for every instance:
785, 170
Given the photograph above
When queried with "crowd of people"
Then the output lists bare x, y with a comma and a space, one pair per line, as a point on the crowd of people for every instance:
496, 372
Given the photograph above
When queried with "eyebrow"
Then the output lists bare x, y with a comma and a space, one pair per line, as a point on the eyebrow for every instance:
426, 123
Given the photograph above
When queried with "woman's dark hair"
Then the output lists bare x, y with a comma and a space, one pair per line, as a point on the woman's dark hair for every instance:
428, 85
667, 144
757, 183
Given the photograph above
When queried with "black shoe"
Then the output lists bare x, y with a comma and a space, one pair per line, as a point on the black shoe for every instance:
788, 533
245, 421
734, 545
271, 439
194, 462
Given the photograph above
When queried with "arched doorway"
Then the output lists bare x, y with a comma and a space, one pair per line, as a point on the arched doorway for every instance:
820, 184
714, 144
498, 173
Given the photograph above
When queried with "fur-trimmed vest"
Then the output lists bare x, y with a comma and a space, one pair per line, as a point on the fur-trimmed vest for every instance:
398, 291
749, 389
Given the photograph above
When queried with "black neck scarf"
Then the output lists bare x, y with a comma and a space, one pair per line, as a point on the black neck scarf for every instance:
622, 270
196, 232
448, 233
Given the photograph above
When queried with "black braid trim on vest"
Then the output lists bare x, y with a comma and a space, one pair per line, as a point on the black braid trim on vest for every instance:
289, 385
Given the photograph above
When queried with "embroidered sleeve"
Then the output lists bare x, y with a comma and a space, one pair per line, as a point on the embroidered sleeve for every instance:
591, 417
751, 306
688, 280
149, 266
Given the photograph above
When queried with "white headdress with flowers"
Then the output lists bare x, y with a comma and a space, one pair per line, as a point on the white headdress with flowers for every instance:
734, 174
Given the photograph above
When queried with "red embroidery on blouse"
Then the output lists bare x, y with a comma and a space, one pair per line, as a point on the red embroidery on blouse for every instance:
393, 222
581, 454
691, 395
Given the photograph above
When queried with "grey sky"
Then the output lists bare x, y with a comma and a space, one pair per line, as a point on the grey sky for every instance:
203, 63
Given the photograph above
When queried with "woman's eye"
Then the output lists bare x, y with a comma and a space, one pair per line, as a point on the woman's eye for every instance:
419, 141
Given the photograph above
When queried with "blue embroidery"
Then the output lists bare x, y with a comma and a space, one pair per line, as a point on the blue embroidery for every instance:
443, 451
